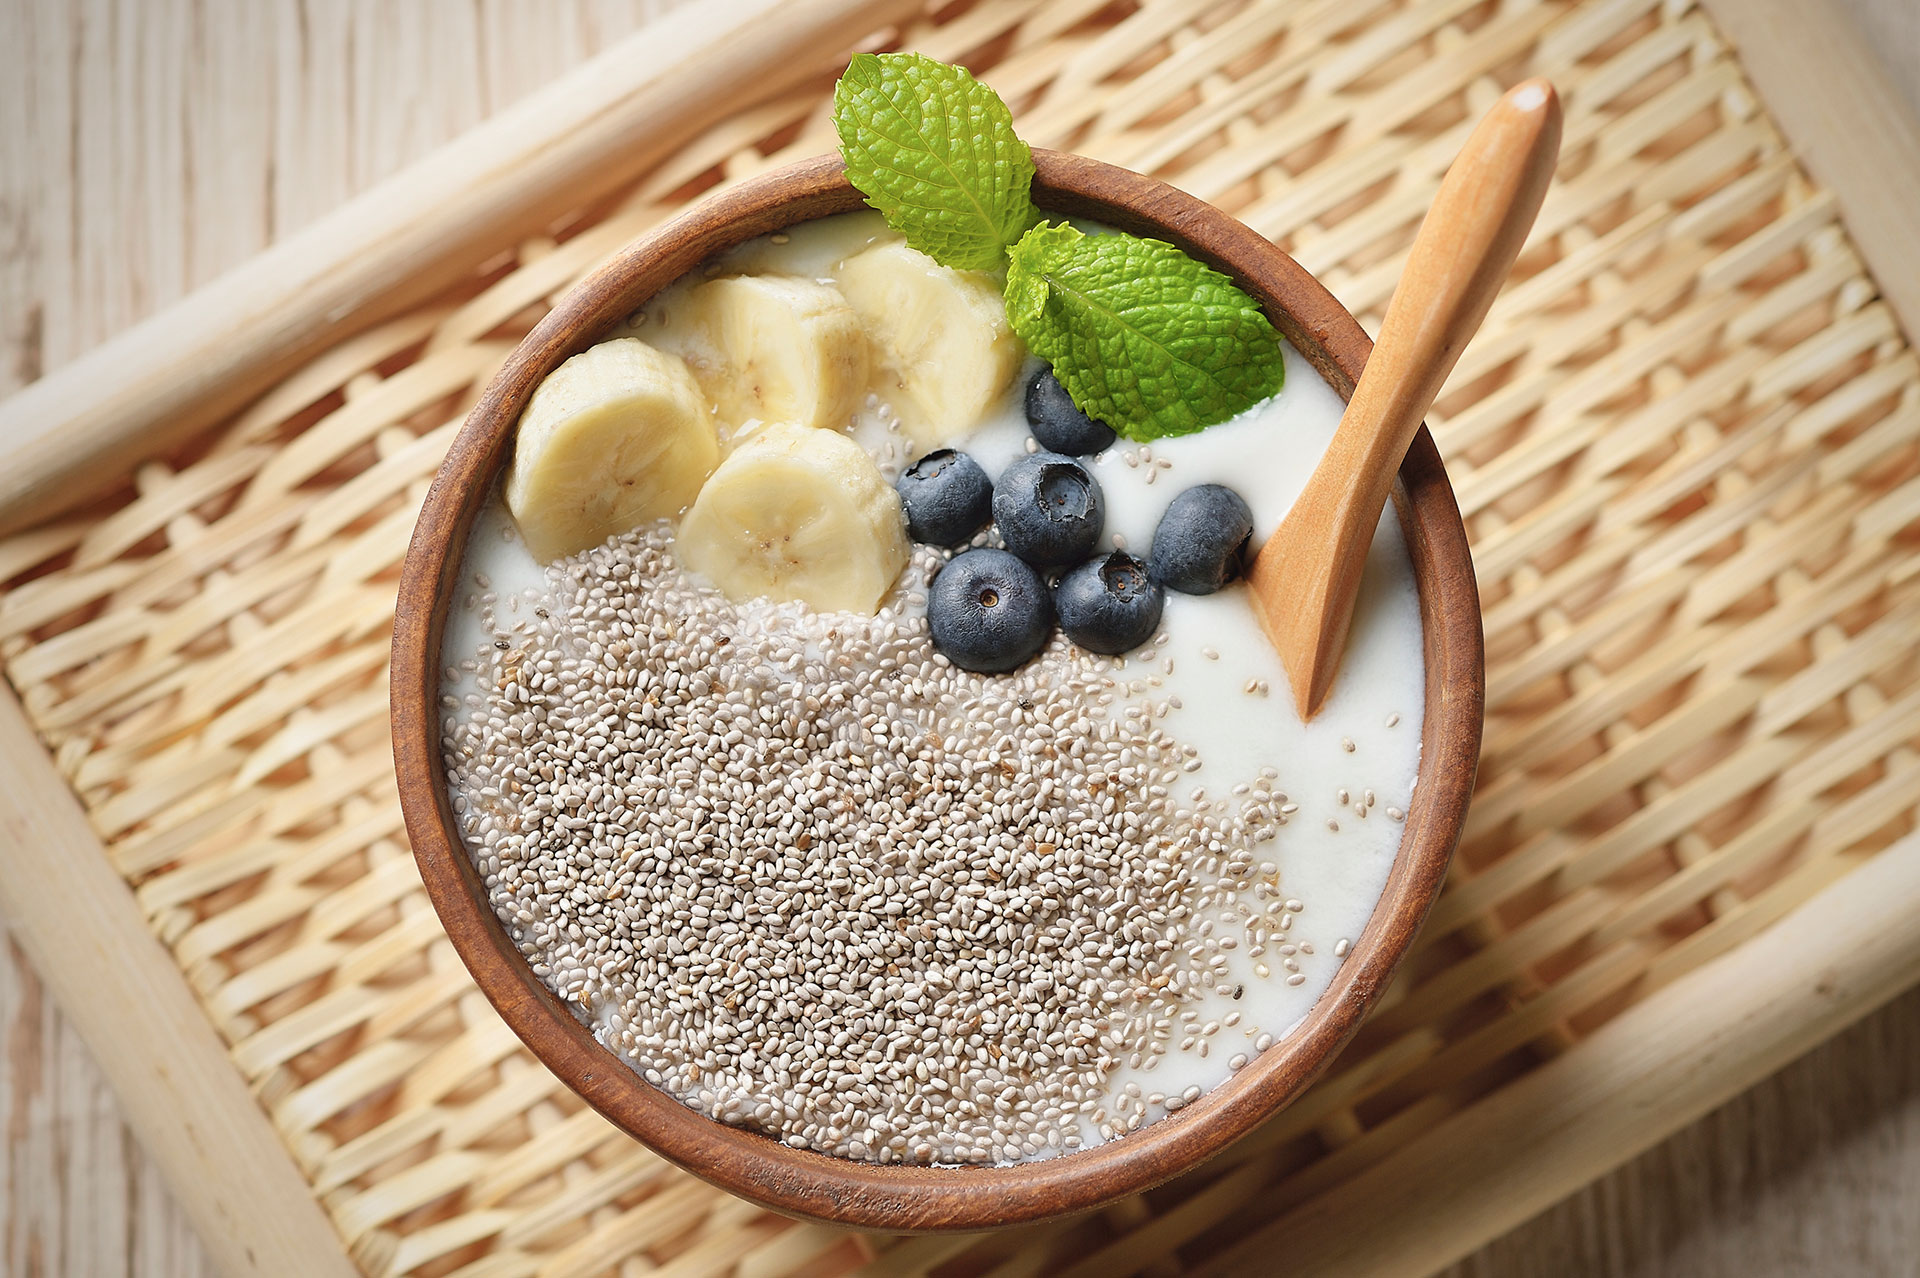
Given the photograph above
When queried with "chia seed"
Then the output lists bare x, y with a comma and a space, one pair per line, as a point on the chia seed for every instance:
810, 878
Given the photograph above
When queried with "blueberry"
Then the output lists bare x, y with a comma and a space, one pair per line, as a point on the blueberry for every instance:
1197, 547
1057, 424
1109, 604
1050, 510
947, 496
988, 611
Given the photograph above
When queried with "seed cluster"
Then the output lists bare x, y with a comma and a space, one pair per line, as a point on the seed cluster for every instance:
812, 879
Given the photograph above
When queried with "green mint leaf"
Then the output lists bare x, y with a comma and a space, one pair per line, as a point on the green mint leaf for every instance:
1142, 336
934, 150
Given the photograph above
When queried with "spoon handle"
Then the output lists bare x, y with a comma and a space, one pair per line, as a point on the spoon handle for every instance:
1306, 576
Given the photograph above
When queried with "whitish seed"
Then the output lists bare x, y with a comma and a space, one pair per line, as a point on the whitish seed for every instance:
738, 940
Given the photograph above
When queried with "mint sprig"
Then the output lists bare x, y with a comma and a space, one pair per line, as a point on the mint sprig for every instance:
1143, 337
934, 150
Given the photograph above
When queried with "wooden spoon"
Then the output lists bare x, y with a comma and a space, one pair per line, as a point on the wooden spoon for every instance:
1306, 576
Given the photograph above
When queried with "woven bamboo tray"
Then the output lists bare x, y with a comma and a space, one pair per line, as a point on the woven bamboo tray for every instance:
1687, 446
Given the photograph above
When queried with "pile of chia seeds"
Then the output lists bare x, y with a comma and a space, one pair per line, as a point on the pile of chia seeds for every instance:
810, 878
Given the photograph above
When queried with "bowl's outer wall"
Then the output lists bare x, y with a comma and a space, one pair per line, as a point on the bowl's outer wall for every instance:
899, 1199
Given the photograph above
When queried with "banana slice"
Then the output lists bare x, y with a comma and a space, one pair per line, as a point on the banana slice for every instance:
616, 436
940, 335
797, 513
783, 349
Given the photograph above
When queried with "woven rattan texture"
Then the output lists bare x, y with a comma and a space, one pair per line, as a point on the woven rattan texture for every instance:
1688, 449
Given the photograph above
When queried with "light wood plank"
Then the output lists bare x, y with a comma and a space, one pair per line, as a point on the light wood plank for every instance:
78, 922
1850, 126
1811, 1172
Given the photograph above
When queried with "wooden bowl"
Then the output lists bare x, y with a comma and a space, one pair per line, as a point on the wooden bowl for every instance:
892, 1198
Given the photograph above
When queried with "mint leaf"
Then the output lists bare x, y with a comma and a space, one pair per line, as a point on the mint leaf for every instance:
934, 150
1142, 336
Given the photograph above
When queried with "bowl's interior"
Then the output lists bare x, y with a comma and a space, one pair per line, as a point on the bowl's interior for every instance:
899, 1198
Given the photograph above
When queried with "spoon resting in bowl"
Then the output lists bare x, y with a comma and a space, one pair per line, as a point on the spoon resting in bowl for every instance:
1304, 579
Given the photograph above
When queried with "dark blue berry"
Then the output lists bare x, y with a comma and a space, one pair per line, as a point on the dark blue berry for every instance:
1050, 510
1200, 540
1057, 424
947, 496
988, 611
1109, 604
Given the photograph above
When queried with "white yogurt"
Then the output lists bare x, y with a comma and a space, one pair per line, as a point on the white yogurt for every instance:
1331, 859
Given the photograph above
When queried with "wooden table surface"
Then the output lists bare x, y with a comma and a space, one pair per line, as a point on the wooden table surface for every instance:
146, 145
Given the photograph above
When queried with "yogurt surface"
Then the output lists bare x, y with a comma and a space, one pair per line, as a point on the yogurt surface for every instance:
1210, 680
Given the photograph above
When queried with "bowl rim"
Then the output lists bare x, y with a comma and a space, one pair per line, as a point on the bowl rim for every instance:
900, 1199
